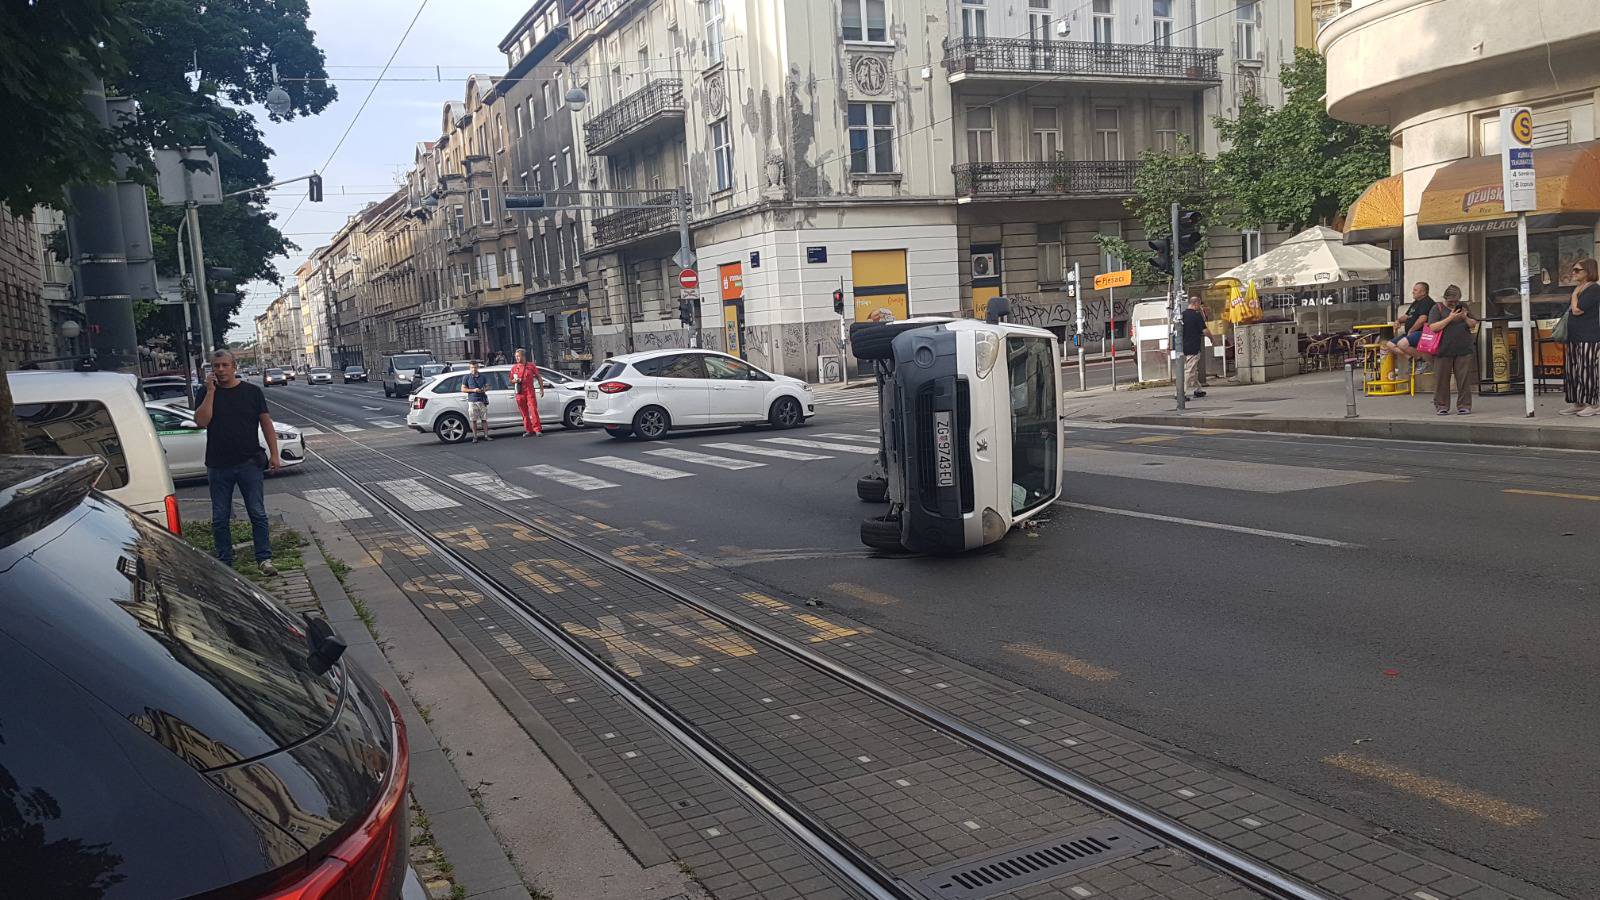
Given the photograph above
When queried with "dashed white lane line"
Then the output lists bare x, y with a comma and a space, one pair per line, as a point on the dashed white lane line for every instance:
636, 467
867, 439
334, 505
373, 408
413, 493
705, 459
1218, 526
347, 429
766, 451
493, 486
569, 478
822, 445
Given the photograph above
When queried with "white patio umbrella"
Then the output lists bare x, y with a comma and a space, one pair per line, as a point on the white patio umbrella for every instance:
1316, 258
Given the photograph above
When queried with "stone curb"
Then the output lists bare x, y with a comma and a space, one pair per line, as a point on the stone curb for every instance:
1553, 437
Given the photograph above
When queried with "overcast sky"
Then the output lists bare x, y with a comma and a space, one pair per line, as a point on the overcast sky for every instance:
357, 36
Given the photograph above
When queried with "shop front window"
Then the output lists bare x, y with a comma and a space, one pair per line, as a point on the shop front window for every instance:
1550, 258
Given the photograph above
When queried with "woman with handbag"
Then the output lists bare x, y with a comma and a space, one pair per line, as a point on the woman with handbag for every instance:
1449, 339
1580, 375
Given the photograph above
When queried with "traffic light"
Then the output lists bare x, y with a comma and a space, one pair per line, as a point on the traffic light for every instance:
1189, 231
524, 200
686, 311
1163, 255
314, 189
838, 301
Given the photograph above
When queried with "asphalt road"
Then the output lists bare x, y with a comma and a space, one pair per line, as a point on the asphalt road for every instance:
1402, 631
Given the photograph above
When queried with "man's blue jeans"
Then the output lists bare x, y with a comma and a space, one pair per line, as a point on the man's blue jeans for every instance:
251, 479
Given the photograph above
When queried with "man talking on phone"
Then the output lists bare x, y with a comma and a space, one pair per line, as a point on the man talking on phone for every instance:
233, 413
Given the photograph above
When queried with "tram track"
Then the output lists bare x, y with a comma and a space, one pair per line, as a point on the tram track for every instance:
851, 864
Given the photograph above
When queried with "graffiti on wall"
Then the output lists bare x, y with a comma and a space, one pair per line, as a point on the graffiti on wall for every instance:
1097, 311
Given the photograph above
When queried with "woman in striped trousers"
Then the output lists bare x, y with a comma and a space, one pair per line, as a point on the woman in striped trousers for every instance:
1580, 375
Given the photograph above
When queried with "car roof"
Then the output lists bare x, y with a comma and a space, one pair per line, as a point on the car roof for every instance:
670, 351
87, 385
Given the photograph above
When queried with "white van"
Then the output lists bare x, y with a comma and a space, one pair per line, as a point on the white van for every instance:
98, 414
401, 372
971, 433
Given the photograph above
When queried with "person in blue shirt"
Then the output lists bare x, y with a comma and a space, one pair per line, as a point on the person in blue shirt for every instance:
476, 386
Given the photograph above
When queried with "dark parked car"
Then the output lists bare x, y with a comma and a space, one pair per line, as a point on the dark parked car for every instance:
168, 729
354, 373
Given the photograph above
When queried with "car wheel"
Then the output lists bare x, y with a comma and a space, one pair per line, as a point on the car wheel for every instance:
872, 490
785, 413
882, 533
451, 428
651, 423
573, 416
875, 340
386, 391
620, 432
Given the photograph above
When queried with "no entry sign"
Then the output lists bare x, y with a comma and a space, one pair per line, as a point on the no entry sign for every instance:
688, 279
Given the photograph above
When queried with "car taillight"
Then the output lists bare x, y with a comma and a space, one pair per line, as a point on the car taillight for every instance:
420, 403
174, 524
614, 387
370, 863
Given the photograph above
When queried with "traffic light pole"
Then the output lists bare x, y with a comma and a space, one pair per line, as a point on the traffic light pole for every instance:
685, 252
1176, 339
198, 267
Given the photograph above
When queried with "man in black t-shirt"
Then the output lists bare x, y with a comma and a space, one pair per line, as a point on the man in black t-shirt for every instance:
234, 415
1194, 340
1408, 328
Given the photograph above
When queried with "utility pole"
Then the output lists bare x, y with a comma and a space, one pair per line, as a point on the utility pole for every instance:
685, 258
1077, 295
198, 267
1176, 340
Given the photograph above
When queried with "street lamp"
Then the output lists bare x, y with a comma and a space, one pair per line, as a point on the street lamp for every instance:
278, 100
70, 329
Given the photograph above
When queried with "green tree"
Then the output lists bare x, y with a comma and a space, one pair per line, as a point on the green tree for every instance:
1163, 178
1295, 166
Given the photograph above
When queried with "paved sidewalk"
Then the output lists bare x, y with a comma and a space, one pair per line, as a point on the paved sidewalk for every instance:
1316, 404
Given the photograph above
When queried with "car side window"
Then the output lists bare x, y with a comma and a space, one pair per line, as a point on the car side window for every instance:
74, 428
499, 381
165, 421
450, 385
684, 365
724, 368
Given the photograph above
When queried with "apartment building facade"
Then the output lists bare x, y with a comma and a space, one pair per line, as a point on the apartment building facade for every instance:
280, 331
315, 316
388, 291
25, 332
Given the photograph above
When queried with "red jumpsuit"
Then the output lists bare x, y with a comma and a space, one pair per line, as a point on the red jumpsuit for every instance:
528, 382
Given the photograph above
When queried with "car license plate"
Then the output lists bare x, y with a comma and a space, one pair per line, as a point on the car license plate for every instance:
944, 457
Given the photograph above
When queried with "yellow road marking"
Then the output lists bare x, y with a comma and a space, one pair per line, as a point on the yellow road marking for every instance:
659, 559
470, 537
1207, 431
1152, 439
530, 663
625, 651
659, 526
703, 630
1477, 803
826, 631
441, 585
1071, 665
865, 595
1556, 494
528, 570
764, 600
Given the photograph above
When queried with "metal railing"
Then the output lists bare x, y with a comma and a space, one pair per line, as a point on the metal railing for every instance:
1081, 178
1000, 56
633, 224
661, 97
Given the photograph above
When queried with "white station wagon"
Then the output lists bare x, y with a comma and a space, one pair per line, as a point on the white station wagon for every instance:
648, 394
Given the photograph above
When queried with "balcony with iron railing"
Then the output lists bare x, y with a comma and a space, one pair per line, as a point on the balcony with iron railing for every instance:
633, 225
1003, 59
637, 118
1069, 178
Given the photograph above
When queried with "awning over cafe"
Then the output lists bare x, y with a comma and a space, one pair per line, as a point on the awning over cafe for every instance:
1379, 214
1466, 197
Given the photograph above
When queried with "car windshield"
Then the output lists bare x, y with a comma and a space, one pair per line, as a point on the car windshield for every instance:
1035, 462
411, 360
319, 369
274, 372
354, 370
431, 369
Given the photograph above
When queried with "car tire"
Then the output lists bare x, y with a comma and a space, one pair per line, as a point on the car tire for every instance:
882, 533
875, 340
651, 423
619, 432
451, 428
572, 416
386, 391
786, 412
872, 490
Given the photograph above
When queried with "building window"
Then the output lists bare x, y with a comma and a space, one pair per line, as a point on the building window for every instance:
1250, 241
522, 121
1247, 30
566, 165
1162, 10
1052, 268
1107, 133
980, 134
572, 237
1105, 23
549, 90
1046, 133
538, 178
974, 19
1110, 262
1168, 136
461, 221
491, 267
864, 20
722, 153
483, 142
513, 266
871, 137
714, 30
483, 205
499, 132
1039, 20
533, 110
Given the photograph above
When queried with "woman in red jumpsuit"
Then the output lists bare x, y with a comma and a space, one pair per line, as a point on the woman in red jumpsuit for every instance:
525, 381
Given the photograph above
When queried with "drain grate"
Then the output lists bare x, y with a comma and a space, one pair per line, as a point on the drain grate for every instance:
998, 873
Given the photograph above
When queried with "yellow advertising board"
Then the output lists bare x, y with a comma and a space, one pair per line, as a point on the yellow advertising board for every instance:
878, 279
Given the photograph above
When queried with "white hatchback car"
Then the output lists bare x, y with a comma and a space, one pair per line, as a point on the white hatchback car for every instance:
184, 440
439, 406
649, 394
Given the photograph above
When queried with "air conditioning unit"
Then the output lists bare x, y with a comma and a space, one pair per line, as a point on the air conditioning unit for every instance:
983, 265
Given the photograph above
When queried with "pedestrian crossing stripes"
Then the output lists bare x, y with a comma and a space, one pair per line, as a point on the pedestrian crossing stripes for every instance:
705, 459
569, 478
637, 467
849, 437
347, 429
309, 430
767, 451
493, 486
334, 505
821, 445
385, 424
836, 396
415, 494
